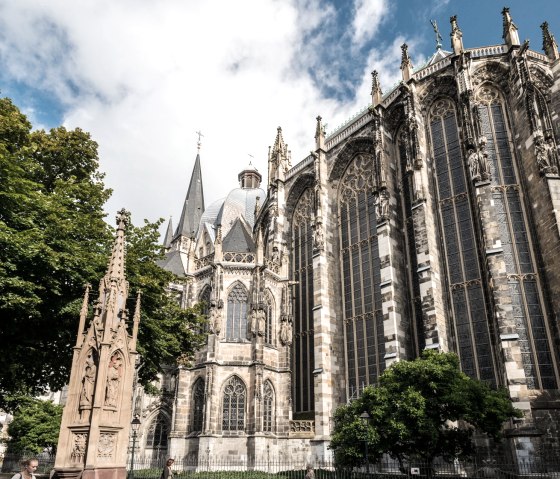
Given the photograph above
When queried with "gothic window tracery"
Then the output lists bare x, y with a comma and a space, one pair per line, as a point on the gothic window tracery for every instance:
233, 409
463, 271
524, 282
198, 405
302, 274
361, 276
156, 438
237, 305
268, 407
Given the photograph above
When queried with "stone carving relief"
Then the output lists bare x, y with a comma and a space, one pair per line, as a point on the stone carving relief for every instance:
382, 206
494, 72
79, 442
547, 154
106, 446
88, 382
114, 378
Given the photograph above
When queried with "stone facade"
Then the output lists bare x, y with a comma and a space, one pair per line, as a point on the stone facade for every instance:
430, 220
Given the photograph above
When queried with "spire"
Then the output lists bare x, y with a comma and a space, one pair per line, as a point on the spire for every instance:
456, 36
406, 63
83, 316
319, 134
279, 145
376, 93
168, 234
510, 34
549, 45
117, 261
194, 204
136, 322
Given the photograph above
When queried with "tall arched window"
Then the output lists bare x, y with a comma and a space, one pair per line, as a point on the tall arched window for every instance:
236, 328
360, 269
468, 302
204, 298
302, 273
524, 282
268, 407
233, 410
198, 405
269, 311
156, 438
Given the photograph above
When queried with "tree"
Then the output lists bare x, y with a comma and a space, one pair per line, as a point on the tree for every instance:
420, 410
35, 426
54, 240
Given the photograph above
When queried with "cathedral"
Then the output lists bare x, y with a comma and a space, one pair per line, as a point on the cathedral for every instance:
431, 220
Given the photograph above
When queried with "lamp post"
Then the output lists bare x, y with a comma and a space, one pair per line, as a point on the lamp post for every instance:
135, 424
365, 417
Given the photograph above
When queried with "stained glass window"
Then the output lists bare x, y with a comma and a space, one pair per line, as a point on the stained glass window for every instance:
302, 272
198, 405
236, 328
233, 411
360, 268
463, 270
158, 432
268, 407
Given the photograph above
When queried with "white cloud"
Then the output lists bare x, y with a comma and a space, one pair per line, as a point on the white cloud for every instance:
144, 76
368, 15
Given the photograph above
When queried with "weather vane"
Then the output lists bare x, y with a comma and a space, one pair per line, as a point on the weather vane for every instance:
198, 143
438, 36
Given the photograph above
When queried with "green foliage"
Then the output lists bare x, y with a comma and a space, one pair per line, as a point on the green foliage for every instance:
54, 240
420, 410
35, 426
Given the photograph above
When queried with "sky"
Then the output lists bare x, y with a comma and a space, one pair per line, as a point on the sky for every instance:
144, 76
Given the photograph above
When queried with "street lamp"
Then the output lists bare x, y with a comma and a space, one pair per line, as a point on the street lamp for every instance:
135, 425
365, 417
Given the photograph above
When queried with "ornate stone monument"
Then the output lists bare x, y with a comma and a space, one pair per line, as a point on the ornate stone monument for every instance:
93, 438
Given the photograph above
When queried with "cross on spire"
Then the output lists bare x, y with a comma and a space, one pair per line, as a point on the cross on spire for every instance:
438, 35
198, 143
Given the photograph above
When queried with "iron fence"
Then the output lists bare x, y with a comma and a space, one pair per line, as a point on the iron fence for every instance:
210, 467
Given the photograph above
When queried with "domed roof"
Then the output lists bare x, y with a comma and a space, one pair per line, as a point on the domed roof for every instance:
240, 202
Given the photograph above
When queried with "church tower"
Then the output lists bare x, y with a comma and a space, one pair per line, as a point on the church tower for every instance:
93, 438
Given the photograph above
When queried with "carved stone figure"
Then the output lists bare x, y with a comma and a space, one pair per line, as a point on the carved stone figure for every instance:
214, 320
547, 155
286, 332
79, 447
478, 161
261, 322
88, 382
319, 237
114, 374
253, 326
382, 206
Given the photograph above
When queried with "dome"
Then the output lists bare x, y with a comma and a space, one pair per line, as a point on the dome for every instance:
240, 202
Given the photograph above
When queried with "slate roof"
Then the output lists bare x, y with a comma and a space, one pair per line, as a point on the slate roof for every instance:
173, 262
239, 239
194, 204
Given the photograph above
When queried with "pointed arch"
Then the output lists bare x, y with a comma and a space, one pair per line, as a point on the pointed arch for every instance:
516, 235
464, 271
204, 298
197, 406
268, 407
234, 401
270, 317
301, 273
360, 270
237, 306
157, 432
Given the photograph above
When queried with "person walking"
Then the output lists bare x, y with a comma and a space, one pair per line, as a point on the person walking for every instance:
167, 472
309, 472
28, 468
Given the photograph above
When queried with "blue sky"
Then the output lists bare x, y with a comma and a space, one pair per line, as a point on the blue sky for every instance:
143, 76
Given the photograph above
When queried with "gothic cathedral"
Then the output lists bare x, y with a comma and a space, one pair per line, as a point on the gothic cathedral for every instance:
430, 220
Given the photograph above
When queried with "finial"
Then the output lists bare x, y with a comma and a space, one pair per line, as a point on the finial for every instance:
509, 34
376, 93
83, 315
136, 321
122, 219
438, 35
319, 134
549, 45
406, 64
199, 143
